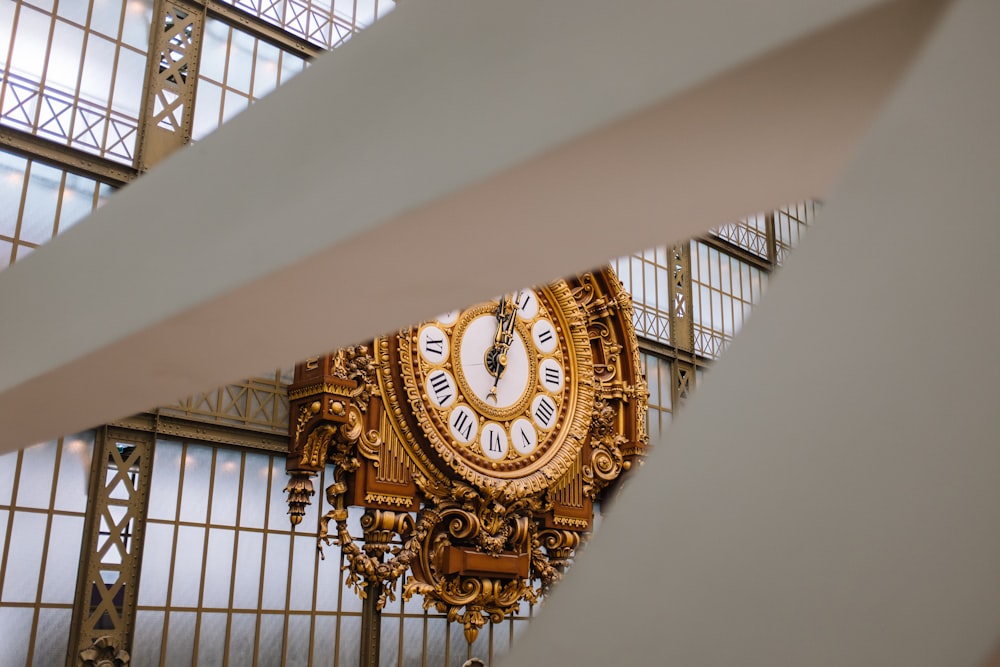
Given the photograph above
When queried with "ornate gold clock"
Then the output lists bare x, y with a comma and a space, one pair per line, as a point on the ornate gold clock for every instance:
477, 442
502, 392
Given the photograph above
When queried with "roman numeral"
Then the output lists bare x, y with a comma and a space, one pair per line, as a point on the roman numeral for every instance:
524, 301
545, 336
441, 386
544, 411
434, 346
525, 438
463, 424
552, 376
494, 443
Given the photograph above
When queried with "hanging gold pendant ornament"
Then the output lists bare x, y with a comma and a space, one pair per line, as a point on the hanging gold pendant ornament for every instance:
477, 443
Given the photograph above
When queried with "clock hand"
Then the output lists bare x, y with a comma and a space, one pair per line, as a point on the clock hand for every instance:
496, 355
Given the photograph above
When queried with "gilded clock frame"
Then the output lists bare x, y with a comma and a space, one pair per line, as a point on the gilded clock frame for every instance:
563, 443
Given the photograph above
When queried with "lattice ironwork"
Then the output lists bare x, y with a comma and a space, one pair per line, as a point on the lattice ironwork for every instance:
750, 234
651, 323
315, 21
258, 403
683, 373
64, 118
108, 581
171, 80
709, 343
680, 297
790, 223
724, 290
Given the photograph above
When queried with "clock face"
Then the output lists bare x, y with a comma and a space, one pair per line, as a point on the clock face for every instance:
503, 389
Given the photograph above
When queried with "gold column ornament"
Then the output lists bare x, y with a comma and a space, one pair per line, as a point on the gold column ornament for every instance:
476, 442
103, 653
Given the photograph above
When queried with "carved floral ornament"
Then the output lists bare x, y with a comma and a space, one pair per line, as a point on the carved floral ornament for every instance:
103, 653
476, 443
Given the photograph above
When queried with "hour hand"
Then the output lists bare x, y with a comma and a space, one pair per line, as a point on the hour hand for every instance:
496, 355
496, 360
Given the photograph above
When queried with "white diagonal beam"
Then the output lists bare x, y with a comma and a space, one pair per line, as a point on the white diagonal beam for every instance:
831, 495
454, 150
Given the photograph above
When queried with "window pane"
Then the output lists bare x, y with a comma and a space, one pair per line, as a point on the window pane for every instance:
106, 17
298, 640
63, 559
40, 203
212, 639
219, 567
8, 468
6, 25
35, 484
350, 634
275, 571
164, 481
148, 636
255, 483
304, 565
25, 552
248, 564
64, 59
241, 639
77, 202
180, 639
30, 41
156, 556
197, 473
206, 111
187, 566
98, 67
16, 622
269, 649
129, 79
241, 60
226, 489
138, 18
51, 636
12, 170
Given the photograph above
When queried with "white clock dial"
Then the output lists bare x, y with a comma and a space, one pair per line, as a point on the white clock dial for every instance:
543, 411
494, 441
433, 344
478, 338
527, 304
447, 319
544, 335
463, 424
524, 436
441, 389
550, 374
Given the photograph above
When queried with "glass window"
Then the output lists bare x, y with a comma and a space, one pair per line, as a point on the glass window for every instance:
35, 479
212, 580
646, 277
749, 234
75, 80
39, 201
60, 563
236, 70
723, 290
16, 622
326, 23
27, 542
790, 224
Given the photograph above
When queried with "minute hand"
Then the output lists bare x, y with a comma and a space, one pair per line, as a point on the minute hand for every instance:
496, 356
